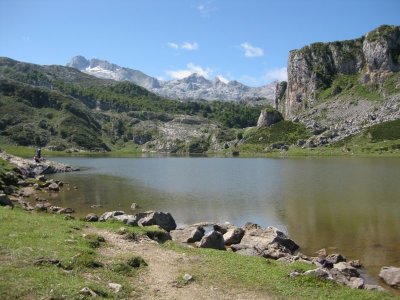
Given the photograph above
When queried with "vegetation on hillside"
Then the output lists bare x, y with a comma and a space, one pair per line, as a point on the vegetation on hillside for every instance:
62, 107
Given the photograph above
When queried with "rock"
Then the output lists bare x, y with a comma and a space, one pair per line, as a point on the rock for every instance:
374, 287
41, 207
134, 206
261, 238
69, 217
88, 292
391, 276
126, 219
110, 214
66, 210
250, 226
187, 277
45, 261
335, 258
22, 183
346, 269
54, 209
269, 117
213, 240
115, 287
91, 217
5, 201
355, 263
41, 178
233, 236
356, 283
222, 228
275, 251
162, 219
318, 272
246, 250
54, 187
188, 235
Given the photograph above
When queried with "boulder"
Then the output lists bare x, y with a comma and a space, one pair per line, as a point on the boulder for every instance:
5, 201
41, 207
127, 219
41, 178
213, 240
222, 228
276, 251
115, 287
261, 238
391, 276
269, 117
233, 236
356, 283
54, 187
188, 235
109, 214
318, 272
335, 258
162, 219
355, 263
346, 269
66, 210
134, 206
91, 217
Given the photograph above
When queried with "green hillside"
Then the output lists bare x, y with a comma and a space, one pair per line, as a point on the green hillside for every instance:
63, 107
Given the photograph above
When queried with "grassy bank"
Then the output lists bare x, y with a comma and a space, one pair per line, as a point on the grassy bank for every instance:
26, 237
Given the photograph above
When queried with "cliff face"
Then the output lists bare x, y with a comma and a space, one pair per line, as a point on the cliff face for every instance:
313, 68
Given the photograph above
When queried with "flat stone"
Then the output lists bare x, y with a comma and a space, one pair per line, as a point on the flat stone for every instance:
115, 287
391, 276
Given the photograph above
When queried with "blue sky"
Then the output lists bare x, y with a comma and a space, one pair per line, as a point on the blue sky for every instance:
245, 40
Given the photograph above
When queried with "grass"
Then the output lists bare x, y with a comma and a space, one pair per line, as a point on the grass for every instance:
269, 276
349, 85
25, 237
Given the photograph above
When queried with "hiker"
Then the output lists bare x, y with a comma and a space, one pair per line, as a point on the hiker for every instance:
38, 155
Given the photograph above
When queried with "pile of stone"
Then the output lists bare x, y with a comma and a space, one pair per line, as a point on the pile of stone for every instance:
148, 218
270, 242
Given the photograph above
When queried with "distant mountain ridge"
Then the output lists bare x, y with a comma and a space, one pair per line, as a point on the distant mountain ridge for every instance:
192, 87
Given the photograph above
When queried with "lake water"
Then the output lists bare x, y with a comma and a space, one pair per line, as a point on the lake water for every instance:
346, 205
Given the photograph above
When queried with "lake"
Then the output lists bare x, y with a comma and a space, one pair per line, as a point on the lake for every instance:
346, 205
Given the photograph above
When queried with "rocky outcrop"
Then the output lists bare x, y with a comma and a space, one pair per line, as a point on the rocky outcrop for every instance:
391, 276
269, 117
280, 92
314, 67
30, 168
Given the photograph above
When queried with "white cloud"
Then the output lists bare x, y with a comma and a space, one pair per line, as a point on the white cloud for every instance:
173, 45
279, 74
191, 68
206, 8
185, 46
251, 51
190, 46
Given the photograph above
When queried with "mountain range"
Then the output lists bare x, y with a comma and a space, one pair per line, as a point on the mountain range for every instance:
193, 87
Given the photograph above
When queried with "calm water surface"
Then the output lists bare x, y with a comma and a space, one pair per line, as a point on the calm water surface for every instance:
350, 205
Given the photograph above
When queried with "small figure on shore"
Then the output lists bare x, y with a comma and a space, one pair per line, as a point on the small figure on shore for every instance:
38, 155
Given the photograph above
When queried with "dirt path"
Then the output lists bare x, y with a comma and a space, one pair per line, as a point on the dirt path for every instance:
159, 279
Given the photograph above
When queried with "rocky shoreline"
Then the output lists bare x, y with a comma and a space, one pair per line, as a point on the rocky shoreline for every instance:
27, 180
253, 240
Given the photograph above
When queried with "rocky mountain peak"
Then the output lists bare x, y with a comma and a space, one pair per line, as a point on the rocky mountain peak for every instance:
195, 86
78, 62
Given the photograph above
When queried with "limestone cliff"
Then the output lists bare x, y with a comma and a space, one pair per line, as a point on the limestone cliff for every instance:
313, 68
